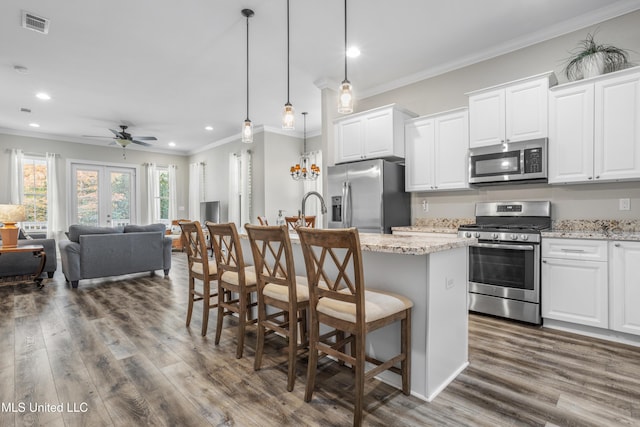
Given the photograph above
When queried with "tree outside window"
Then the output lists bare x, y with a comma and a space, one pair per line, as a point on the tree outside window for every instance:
162, 198
34, 198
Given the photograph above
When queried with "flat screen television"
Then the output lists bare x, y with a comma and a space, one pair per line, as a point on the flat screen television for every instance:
209, 211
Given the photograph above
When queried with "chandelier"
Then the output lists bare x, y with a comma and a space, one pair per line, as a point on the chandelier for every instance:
305, 170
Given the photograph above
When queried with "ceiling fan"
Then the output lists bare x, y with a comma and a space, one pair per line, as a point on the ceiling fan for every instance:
124, 138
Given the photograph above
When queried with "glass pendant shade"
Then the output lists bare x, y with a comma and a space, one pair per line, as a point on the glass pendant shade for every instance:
247, 132
288, 117
304, 170
345, 98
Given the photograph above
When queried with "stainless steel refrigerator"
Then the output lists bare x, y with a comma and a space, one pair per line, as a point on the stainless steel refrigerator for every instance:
368, 195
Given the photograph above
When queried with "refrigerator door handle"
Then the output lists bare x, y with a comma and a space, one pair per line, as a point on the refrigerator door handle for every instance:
348, 213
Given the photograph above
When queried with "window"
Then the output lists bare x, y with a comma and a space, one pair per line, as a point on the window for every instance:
34, 194
162, 196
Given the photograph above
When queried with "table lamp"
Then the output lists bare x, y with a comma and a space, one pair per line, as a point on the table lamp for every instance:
9, 215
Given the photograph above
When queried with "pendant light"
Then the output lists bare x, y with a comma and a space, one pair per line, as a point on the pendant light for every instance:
345, 93
288, 117
305, 170
247, 127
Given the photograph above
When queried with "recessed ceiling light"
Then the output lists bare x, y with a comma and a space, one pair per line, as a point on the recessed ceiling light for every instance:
34, 125
20, 69
43, 96
172, 144
208, 128
353, 52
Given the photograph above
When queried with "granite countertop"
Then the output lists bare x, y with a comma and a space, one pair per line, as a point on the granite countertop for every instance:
426, 229
596, 229
594, 235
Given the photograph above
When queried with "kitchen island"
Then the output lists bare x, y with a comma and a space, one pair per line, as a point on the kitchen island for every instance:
432, 272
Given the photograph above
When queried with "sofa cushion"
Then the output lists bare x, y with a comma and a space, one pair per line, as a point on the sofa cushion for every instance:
133, 228
76, 230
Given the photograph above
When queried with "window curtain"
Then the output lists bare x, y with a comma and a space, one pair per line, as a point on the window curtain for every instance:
152, 190
312, 206
240, 176
196, 189
173, 192
54, 216
16, 176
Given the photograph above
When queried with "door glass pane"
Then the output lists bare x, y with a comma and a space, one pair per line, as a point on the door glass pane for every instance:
120, 198
508, 268
87, 197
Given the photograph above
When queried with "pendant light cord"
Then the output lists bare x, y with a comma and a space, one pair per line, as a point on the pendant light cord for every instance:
288, 52
247, 67
345, 40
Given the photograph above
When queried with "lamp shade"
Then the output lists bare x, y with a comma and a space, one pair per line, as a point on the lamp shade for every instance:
10, 214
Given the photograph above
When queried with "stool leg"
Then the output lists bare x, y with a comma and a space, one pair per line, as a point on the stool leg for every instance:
358, 343
222, 293
190, 307
313, 360
405, 337
206, 287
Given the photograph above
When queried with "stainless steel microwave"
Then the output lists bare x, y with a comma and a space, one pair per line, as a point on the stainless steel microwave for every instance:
515, 162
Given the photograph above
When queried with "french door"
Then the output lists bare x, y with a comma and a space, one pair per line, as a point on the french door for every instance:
102, 195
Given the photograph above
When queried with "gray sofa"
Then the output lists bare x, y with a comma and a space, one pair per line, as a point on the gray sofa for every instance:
93, 252
23, 264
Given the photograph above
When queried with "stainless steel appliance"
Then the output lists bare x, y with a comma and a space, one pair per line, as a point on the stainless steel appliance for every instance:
504, 265
368, 195
512, 162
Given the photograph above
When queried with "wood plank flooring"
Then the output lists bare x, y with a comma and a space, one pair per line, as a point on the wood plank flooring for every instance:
115, 352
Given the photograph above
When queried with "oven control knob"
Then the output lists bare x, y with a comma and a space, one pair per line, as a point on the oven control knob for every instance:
467, 234
476, 235
514, 237
524, 237
494, 235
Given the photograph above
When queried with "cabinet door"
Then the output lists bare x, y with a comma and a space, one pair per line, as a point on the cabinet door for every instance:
348, 140
451, 148
575, 291
526, 111
486, 118
617, 128
419, 152
571, 134
378, 134
625, 287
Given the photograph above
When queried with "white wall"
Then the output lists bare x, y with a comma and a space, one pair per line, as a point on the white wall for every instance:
94, 153
445, 92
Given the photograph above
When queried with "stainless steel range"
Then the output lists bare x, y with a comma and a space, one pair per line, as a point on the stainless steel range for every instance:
504, 265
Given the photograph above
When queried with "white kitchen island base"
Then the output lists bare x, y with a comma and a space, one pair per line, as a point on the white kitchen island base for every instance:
432, 272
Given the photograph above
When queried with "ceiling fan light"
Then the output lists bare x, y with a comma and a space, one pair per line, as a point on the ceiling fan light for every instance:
122, 142
247, 132
288, 117
345, 98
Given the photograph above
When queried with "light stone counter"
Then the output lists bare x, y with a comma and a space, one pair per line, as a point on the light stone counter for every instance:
410, 245
633, 236
425, 229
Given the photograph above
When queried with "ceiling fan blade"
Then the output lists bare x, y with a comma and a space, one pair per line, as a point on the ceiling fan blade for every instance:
96, 136
140, 143
145, 138
115, 132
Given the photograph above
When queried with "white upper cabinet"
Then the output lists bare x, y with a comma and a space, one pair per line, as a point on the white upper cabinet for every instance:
436, 152
594, 129
624, 288
512, 112
373, 134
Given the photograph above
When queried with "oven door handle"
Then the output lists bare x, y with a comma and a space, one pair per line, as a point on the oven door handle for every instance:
499, 246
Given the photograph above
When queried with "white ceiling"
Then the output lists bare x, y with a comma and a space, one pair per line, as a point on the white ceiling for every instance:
170, 68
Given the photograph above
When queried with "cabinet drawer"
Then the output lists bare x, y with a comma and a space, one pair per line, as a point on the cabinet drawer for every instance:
592, 250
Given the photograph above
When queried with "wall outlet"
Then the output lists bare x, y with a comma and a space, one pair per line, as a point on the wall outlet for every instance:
624, 204
425, 206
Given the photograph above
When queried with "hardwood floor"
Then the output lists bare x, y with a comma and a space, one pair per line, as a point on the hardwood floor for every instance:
117, 353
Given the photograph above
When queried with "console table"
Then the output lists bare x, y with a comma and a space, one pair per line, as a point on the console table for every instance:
37, 251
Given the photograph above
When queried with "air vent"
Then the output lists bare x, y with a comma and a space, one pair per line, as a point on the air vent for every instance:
35, 23
25, 110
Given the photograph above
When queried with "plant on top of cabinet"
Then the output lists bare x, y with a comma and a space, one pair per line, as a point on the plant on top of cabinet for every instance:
591, 59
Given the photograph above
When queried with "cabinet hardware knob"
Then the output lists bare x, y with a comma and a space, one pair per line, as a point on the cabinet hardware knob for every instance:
590, 177
544, 261
597, 176
617, 245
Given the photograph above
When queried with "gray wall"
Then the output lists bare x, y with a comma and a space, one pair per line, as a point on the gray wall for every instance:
444, 92
92, 153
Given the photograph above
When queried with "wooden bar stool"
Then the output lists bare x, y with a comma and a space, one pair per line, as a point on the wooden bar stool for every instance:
293, 221
279, 287
263, 220
333, 258
201, 268
234, 277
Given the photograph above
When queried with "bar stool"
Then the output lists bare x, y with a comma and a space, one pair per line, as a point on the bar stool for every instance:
234, 277
334, 258
293, 221
279, 287
201, 268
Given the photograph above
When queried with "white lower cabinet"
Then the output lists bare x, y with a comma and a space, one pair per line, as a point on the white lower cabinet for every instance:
575, 281
624, 282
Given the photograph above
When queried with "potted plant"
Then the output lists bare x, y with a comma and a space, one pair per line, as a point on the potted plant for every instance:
591, 59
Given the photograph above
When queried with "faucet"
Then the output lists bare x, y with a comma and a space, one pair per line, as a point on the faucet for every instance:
323, 207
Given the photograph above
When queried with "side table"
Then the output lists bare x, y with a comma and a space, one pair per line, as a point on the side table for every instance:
37, 251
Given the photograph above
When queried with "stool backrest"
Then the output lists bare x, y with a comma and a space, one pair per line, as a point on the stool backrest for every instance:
195, 244
226, 247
